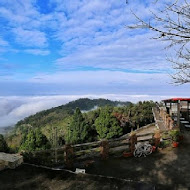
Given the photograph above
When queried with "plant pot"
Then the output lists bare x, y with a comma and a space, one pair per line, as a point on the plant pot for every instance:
127, 154
175, 144
153, 148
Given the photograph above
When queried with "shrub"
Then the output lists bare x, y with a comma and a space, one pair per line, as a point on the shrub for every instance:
175, 134
3, 144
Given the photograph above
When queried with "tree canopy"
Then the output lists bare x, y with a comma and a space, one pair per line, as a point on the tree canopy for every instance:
34, 140
135, 115
107, 125
77, 130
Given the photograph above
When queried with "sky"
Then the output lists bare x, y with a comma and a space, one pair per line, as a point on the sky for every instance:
55, 51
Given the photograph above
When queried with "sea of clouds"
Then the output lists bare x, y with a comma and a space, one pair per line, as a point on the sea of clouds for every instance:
15, 108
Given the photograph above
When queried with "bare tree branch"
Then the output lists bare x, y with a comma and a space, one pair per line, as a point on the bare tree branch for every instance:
172, 24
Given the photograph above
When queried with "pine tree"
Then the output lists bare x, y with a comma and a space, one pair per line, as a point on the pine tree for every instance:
35, 140
77, 130
107, 125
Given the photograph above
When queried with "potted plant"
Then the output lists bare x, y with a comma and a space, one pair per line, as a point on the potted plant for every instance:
164, 144
175, 135
154, 148
175, 144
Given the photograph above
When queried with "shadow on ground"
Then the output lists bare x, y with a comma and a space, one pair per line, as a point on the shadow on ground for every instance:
168, 168
33, 178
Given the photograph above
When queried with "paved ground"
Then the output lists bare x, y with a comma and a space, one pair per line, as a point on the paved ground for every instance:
159, 120
169, 167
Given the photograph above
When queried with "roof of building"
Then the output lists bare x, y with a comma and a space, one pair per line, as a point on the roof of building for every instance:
176, 99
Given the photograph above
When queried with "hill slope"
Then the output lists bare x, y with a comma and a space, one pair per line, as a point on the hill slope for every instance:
56, 114
58, 117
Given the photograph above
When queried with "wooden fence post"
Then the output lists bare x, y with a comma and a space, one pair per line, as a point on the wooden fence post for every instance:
104, 149
69, 156
157, 137
133, 141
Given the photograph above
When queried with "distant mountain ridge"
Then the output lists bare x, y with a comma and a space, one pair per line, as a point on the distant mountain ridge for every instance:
88, 104
58, 113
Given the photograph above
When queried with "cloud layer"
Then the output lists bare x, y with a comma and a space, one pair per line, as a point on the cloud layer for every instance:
15, 108
82, 35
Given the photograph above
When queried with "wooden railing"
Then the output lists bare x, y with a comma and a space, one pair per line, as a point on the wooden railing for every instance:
85, 151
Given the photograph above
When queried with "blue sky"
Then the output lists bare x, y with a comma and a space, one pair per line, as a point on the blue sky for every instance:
62, 45
81, 48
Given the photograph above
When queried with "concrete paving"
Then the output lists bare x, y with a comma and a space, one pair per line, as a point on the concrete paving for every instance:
159, 121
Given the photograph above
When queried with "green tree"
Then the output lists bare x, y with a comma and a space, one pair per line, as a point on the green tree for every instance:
77, 131
107, 126
3, 144
34, 140
90, 118
135, 115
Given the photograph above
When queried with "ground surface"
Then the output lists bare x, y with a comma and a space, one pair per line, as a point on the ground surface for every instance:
165, 169
169, 167
32, 178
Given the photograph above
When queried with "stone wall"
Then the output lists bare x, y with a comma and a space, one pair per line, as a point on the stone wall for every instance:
168, 121
10, 160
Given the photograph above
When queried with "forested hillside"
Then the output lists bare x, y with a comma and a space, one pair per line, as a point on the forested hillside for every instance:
56, 114
106, 119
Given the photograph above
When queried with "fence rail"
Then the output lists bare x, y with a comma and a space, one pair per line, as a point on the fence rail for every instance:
85, 151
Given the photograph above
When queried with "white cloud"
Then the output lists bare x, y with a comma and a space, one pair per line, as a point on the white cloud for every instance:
15, 108
96, 37
18, 13
37, 51
32, 38
25, 23
101, 78
134, 53
88, 35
